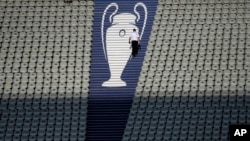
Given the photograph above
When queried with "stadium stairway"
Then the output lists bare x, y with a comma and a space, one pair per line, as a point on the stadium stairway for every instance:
108, 107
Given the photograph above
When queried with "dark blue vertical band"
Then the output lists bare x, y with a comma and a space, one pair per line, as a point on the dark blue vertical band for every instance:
108, 107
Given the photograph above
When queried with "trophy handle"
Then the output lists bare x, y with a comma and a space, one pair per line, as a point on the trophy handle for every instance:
102, 26
138, 15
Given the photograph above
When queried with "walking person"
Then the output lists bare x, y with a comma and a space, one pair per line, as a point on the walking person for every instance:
134, 39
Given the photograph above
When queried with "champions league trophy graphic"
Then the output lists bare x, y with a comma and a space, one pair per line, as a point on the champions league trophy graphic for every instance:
115, 46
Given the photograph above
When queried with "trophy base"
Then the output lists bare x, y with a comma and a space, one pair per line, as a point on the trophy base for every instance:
114, 83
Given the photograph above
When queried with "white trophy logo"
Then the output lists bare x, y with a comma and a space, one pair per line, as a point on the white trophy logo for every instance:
116, 47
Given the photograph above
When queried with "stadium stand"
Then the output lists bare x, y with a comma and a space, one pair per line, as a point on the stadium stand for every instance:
194, 81
44, 69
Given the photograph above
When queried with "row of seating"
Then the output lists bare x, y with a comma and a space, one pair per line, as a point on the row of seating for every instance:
207, 17
202, 21
162, 2
204, 7
43, 3
41, 104
195, 74
44, 42
184, 99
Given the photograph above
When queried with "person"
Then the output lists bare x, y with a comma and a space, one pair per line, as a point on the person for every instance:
135, 38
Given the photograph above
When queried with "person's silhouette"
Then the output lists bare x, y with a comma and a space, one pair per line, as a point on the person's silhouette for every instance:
134, 39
